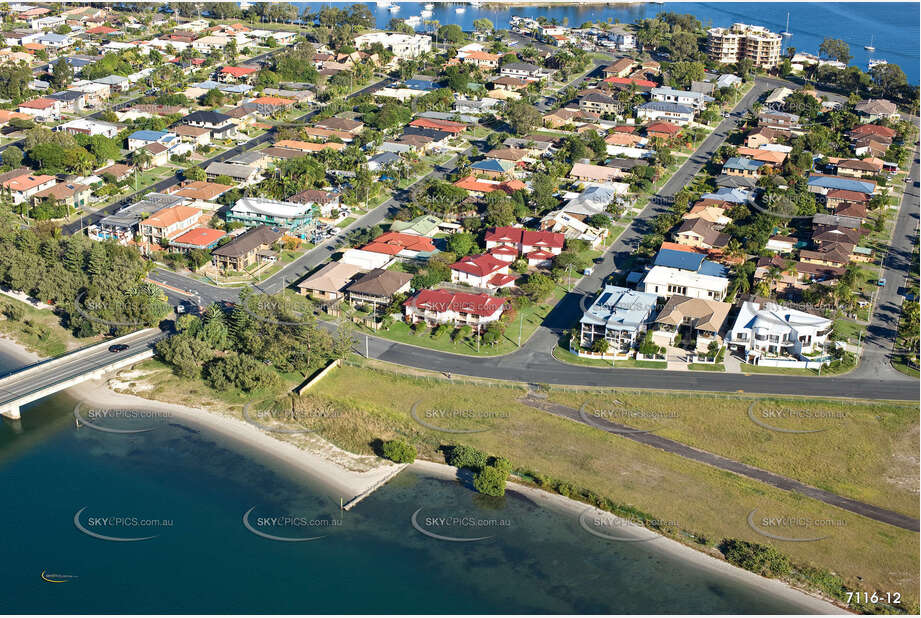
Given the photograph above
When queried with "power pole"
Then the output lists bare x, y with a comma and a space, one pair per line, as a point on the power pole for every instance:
520, 320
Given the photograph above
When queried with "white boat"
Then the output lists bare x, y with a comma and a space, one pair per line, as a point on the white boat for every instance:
394, 8
870, 46
460, 9
872, 63
383, 3
429, 6
786, 31
426, 13
415, 20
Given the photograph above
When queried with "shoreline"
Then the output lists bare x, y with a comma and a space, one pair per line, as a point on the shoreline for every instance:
808, 602
352, 486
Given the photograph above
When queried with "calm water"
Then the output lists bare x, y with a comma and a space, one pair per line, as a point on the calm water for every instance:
203, 560
894, 26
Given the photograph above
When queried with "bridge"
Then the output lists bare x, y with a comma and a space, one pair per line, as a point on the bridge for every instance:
48, 377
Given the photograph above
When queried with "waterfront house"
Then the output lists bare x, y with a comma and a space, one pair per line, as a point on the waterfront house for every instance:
377, 288
254, 211
482, 271
672, 112
687, 274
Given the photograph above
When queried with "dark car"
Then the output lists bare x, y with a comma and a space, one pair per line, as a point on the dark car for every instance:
118, 347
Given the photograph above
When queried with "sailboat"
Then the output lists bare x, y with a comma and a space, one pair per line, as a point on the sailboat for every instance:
429, 6
786, 31
394, 8
870, 46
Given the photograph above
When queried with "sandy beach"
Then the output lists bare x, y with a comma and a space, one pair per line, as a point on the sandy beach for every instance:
352, 477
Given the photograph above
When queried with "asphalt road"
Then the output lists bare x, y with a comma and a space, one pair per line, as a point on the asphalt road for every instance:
883, 328
19, 384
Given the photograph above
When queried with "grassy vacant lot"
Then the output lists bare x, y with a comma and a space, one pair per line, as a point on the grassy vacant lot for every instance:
863, 450
706, 502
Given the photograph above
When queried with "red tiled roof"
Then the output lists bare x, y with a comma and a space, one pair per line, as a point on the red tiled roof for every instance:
441, 125
392, 243
531, 238
200, 237
472, 183
445, 300
642, 83
663, 127
238, 71
479, 265
843, 194
101, 30
40, 103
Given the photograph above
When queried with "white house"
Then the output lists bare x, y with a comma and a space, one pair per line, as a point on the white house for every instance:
660, 110
482, 271
87, 126
402, 45
771, 330
687, 274
456, 308
695, 100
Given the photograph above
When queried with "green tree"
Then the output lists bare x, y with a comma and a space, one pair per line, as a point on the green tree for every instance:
461, 244
522, 117
835, 48
490, 481
399, 451
12, 157
483, 25
62, 74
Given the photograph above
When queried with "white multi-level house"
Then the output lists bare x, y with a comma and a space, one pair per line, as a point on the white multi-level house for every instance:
769, 330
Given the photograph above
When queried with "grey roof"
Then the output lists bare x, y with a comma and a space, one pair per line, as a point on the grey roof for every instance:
247, 158
618, 308
449, 116
745, 182
66, 95
249, 241
230, 169
206, 117
130, 216
664, 106
521, 66
380, 282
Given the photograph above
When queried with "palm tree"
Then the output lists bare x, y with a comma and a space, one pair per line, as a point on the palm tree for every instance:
141, 158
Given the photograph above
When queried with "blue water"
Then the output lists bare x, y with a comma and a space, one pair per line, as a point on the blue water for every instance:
203, 560
894, 25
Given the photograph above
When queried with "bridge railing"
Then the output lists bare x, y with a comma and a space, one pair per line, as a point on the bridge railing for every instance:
44, 364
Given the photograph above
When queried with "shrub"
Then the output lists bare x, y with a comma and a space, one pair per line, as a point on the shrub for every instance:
754, 557
399, 451
461, 456
12, 312
502, 464
490, 481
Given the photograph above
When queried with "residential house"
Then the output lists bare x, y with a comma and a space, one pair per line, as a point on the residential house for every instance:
481, 186
402, 246
778, 120
341, 124
688, 274
482, 271
600, 103
521, 70
694, 100
403, 46
537, 247
672, 112
88, 126
740, 166
329, 283
619, 315
822, 184
701, 234
197, 136
168, 223
587, 172
859, 168
73, 195
255, 211
267, 105
220, 125
139, 139
701, 318
662, 130
764, 330
456, 308
244, 250
621, 68
116, 83
199, 238
876, 109
762, 136
377, 288
72, 101
22, 187
241, 174
42, 109
324, 201
482, 60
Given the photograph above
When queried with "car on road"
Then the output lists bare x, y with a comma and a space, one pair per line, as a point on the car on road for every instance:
118, 347
881, 282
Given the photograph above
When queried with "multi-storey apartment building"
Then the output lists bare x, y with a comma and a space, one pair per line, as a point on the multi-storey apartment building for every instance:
758, 44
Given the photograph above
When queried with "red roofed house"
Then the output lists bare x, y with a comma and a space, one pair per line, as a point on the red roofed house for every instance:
42, 109
203, 238
664, 130
233, 74
482, 271
872, 129
104, 30
538, 247
627, 82
406, 246
23, 187
270, 105
481, 186
457, 308
482, 60
442, 125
